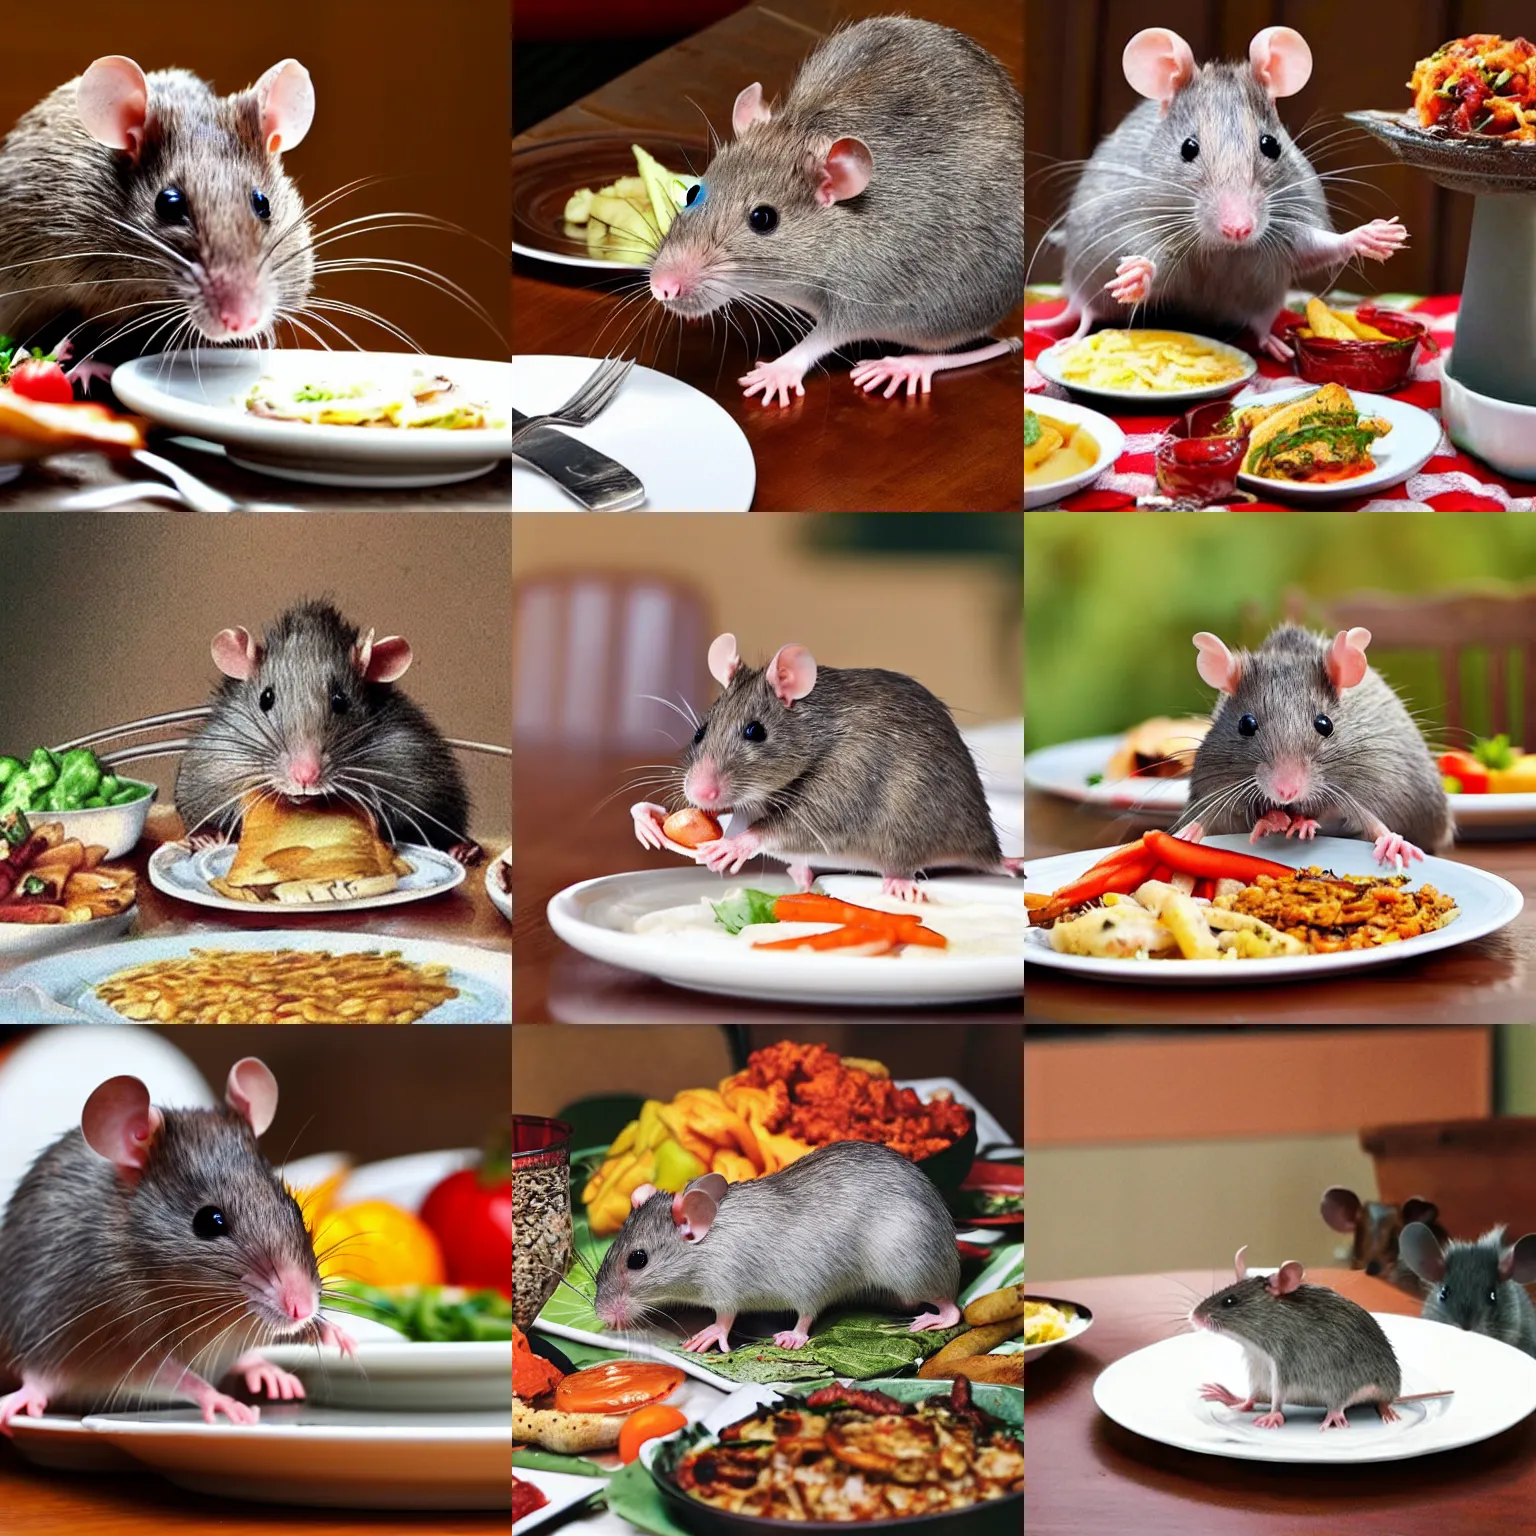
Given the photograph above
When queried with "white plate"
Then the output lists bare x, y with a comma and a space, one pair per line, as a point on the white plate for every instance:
597, 917
1049, 363
179, 872
1081, 1322
25, 940
1105, 433
563, 1490
1404, 451
1487, 904
203, 392
500, 899
1155, 1392
66, 1445
402, 1376
686, 450
482, 976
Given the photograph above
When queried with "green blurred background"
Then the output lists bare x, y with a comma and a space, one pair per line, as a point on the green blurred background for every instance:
1111, 601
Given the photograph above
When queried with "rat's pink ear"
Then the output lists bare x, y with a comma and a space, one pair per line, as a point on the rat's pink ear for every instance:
285, 96
1217, 665
252, 1092
693, 1211
791, 674
640, 1194
381, 661
723, 658
112, 99
1341, 1208
1282, 62
1346, 663
843, 173
750, 108
1158, 63
235, 653
1240, 1264
1285, 1279
119, 1123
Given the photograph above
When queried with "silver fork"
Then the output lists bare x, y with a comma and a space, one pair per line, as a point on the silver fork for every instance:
589, 402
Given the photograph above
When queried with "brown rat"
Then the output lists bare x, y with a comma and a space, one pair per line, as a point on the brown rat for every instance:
850, 1222
1375, 1227
1477, 1286
857, 764
154, 207
1306, 734
149, 1251
884, 198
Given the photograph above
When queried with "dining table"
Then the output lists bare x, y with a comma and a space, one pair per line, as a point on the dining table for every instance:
1085, 1473
1491, 980
957, 448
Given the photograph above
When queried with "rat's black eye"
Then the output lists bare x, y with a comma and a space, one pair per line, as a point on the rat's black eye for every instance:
171, 206
260, 206
1190, 148
1269, 146
267, 700
1445, 1293
1248, 726
695, 195
698, 735
210, 1222
340, 703
638, 1259
1229, 1301
763, 219
1324, 725
755, 732
1493, 1298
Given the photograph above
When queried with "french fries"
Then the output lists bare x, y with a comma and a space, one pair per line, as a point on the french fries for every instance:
1338, 325
47, 878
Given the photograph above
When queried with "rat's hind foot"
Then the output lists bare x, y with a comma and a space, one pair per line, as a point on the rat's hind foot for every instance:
946, 1317
1214, 1392
262, 1378
1271, 1420
30, 1398
798, 1336
1389, 1415
1133, 279
916, 369
776, 378
1392, 847
718, 1332
1335, 1420
1271, 821
902, 889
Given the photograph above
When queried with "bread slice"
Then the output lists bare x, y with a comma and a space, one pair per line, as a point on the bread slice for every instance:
306, 851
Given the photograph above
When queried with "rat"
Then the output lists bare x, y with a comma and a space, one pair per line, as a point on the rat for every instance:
1479, 1286
1200, 207
151, 201
1376, 1228
857, 763
149, 1252
850, 1222
884, 198
1306, 732
312, 710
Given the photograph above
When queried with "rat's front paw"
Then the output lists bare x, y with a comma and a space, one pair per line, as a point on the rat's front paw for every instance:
1378, 239
791, 1338
727, 854
214, 1403
1192, 833
648, 818
29, 1398
466, 853
197, 841
1276, 347
1393, 848
914, 370
1303, 827
263, 1379
1133, 279
337, 1338
776, 378
1271, 821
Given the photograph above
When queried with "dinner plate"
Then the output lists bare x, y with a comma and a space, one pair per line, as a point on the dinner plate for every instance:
1100, 428
482, 976
1487, 904
597, 917
202, 392
401, 1376
1155, 1392
1402, 452
1049, 363
562, 1490
1081, 1322
500, 899
20, 941
187, 874
685, 449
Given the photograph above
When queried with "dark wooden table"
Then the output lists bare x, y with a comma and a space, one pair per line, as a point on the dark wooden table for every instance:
1488, 981
959, 448
1086, 1474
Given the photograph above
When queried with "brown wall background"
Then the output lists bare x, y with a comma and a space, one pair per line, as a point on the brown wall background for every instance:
1362, 56
419, 94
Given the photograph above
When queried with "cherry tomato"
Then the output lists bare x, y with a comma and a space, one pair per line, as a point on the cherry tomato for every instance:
42, 380
470, 1212
617, 1386
648, 1423
1465, 768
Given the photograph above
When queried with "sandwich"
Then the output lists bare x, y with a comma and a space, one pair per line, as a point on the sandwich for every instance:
305, 851
1161, 748
1318, 438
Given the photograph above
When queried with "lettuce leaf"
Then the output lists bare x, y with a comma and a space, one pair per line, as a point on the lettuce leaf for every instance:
743, 908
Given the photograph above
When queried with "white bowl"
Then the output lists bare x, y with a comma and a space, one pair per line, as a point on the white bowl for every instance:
1105, 433
118, 826
1500, 432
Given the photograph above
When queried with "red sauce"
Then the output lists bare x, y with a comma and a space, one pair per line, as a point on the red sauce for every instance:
1192, 466
525, 1499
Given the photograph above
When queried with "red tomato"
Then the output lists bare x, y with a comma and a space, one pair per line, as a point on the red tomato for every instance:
1466, 768
472, 1221
45, 381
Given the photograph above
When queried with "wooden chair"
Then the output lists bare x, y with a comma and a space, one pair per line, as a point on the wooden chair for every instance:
1479, 1172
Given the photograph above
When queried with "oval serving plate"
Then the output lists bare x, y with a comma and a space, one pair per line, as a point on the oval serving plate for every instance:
1100, 428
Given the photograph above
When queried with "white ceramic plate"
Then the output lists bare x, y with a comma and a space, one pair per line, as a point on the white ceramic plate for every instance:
1487, 904
20, 941
482, 976
686, 450
402, 1376
1404, 451
179, 872
563, 1490
1105, 433
1155, 1392
500, 899
1049, 363
597, 917
1081, 1321
202, 392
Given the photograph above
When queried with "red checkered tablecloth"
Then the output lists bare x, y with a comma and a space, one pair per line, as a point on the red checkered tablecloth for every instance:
1451, 481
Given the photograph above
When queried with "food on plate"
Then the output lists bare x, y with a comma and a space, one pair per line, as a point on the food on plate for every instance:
1160, 748
279, 986
32, 427
570, 1434
859, 930
993, 1319
532, 1375
1160, 362
1046, 1322
1329, 912
1055, 450
1490, 767
525, 1498
470, 1214
1482, 86
995, 1306
591, 1410
49, 879
421, 400
1367, 348
63, 781
691, 827
430, 1314
854, 1456
652, 1422
625, 221
1338, 325
375, 1242
1317, 439
617, 1386
296, 851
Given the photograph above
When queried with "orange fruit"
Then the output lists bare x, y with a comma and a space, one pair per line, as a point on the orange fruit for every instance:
378, 1244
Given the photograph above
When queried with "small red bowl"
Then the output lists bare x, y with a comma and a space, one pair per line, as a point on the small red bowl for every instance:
1379, 367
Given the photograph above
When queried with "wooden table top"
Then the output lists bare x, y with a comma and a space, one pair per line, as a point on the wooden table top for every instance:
1087, 1474
959, 448
1490, 980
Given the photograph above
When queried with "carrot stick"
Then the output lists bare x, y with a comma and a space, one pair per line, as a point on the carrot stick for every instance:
1212, 863
1123, 877
812, 907
863, 941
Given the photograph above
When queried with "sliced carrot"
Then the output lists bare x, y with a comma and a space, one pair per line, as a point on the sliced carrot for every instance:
1212, 863
863, 941
1161, 872
812, 907
1123, 877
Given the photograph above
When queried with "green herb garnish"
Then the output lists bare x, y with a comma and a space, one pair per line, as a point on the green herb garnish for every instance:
1495, 752
743, 909
1032, 429
1094, 778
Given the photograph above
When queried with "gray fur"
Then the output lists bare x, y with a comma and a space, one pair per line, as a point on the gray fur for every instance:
1375, 763
850, 1222
1464, 1285
382, 751
64, 198
931, 253
101, 1281
868, 768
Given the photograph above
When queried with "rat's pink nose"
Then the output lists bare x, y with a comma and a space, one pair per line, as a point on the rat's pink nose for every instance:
1288, 786
671, 285
296, 1296
237, 305
1234, 218
304, 767
702, 784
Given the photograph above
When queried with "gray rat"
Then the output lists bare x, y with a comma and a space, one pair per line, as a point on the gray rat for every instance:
1200, 207
149, 1251
1376, 1228
310, 711
885, 198
153, 202
852, 1221
1479, 1287
854, 762
1305, 733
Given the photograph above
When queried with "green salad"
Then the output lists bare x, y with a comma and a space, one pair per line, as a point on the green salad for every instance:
429, 1314
62, 781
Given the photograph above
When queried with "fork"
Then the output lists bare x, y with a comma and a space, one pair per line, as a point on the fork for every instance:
587, 403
